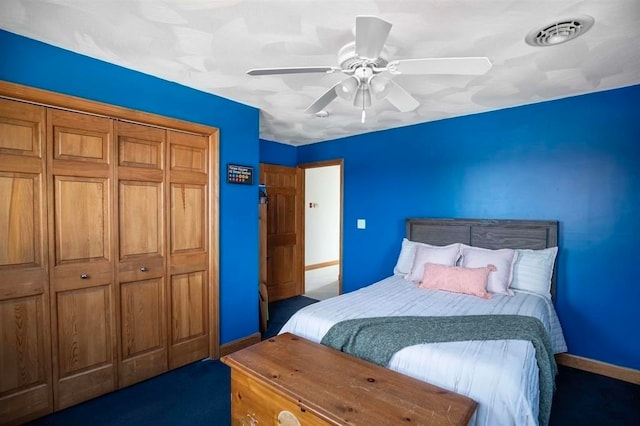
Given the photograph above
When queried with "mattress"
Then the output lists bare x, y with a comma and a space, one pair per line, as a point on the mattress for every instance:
501, 375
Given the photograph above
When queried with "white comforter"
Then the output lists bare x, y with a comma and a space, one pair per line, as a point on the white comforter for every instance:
501, 375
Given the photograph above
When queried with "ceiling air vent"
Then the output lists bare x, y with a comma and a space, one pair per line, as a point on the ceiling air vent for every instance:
560, 31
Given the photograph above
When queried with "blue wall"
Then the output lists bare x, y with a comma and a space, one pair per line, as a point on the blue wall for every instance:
575, 160
28, 62
278, 153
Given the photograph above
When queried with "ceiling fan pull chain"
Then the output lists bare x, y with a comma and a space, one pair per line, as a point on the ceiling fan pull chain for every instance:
363, 116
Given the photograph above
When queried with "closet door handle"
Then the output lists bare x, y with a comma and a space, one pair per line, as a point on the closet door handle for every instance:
84, 277
144, 269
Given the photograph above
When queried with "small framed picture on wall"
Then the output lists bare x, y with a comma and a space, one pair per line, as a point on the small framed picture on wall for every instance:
237, 173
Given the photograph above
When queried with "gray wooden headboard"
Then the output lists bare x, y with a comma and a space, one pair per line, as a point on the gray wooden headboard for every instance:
487, 233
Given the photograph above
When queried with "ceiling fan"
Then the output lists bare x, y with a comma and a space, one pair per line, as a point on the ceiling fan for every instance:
364, 59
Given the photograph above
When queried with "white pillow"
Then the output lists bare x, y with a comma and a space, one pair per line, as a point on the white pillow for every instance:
405, 259
407, 254
441, 255
502, 259
533, 270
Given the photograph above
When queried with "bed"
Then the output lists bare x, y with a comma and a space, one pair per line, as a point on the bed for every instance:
501, 375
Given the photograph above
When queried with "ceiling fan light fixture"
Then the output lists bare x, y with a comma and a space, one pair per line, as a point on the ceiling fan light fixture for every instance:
348, 88
379, 86
362, 98
559, 31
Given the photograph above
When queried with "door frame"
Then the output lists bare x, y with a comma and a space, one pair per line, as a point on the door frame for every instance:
313, 165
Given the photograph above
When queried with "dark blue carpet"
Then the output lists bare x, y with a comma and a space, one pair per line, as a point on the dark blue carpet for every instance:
196, 394
281, 311
199, 394
584, 398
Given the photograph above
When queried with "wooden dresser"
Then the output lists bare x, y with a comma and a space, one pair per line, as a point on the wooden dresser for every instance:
288, 380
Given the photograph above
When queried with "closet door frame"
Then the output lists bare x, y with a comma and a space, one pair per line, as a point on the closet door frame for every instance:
57, 100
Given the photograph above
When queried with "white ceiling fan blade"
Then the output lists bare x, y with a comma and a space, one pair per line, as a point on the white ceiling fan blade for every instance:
400, 98
371, 34
455, 66
324, 100
291, 70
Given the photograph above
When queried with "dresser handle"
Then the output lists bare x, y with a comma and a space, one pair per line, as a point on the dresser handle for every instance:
84, 277
144, 269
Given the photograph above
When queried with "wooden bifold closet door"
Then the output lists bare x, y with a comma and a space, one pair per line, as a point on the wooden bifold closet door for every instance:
81, 244
106, 239
25, 345
189, 248
157, 282
141, 252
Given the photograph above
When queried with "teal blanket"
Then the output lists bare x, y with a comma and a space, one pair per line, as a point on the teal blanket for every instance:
377, 339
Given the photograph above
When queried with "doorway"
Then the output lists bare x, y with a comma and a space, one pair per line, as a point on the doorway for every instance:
323, 229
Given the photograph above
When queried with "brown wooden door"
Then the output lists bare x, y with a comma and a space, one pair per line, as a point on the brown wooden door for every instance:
81, 256
141, 272
188, 292
285, 230
25, 356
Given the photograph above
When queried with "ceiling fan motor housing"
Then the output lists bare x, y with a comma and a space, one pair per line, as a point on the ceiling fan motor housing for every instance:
349, 60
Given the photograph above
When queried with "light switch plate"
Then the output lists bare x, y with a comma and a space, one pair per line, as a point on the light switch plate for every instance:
362, 224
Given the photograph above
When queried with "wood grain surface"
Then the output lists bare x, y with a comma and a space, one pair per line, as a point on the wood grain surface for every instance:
320, 385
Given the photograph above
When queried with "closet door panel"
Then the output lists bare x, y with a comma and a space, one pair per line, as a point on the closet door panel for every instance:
85, 345
21, 365
82, 219
21, 129
188, 245
140, 146
141, 252
25, 381
187, 218
84, 329
189, 315
188, 154
19, 220
82, 263
188, 308
141, 219
80, 137
141, 304
25, 357
143, 344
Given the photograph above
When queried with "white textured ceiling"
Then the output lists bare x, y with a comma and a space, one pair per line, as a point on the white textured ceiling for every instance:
210, 44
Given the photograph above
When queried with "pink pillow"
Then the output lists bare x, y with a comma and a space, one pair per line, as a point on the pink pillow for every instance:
457, 279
